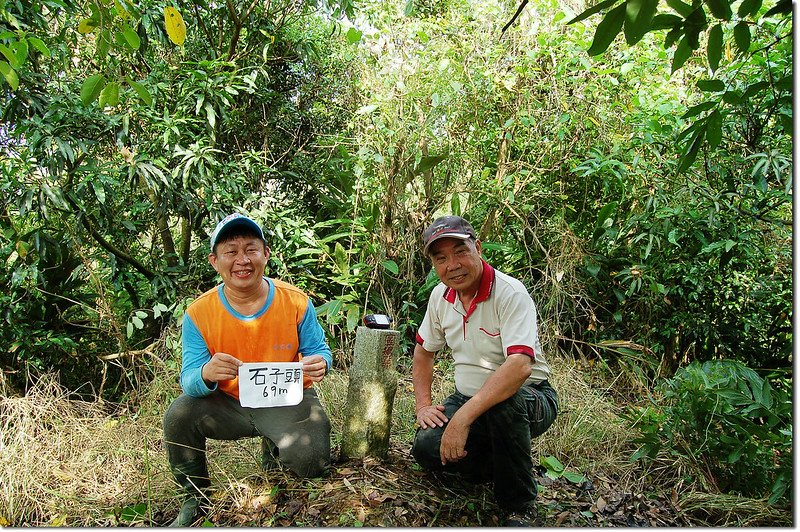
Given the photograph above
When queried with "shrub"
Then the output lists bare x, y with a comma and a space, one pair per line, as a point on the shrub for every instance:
730, 422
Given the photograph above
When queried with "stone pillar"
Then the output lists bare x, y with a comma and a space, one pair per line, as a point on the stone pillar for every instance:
370, 394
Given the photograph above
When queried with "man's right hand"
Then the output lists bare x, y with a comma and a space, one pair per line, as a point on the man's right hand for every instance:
431, 416
221, 367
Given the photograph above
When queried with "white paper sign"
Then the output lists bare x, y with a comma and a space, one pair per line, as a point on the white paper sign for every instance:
266, 384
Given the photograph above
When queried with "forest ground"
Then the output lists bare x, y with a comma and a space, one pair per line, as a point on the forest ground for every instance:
68, 462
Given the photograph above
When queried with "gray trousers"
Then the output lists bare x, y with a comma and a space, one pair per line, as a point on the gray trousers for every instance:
301, 433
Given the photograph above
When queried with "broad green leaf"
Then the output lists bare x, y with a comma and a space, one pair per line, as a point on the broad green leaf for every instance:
720, 8
741, 34
409, 9
695, 23
680, 8
122, 12
131, 513
20, 49
8, 53
749, 7
427, 163
783, 7
109, 95
593, 10
173, 22
10, 75
608, 28
366, 109
40, 46
714, 47
455, 204
690, 154
733, 97
673, 35
575, 478
92, 87
682, 53
353, 35
663, 21
638, 19
87, 25
103, 44
552, 464
353, 315
714, 129
391, 266
605, 213
131, 37
711, 85
141, 91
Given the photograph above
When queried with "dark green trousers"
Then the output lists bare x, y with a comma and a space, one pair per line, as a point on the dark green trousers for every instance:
499, 443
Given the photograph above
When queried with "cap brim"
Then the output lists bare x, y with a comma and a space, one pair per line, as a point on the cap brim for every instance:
236, 222
462, 236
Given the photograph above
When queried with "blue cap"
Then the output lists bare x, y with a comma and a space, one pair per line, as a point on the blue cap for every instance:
234, 220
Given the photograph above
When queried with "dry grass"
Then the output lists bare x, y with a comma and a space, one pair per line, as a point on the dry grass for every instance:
75, 463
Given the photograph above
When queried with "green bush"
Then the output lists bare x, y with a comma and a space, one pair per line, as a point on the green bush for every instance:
730, 422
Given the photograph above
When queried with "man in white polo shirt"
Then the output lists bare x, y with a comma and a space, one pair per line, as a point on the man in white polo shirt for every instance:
502, 399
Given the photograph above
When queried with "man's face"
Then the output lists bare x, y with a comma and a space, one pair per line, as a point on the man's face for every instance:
240, 262
458, 263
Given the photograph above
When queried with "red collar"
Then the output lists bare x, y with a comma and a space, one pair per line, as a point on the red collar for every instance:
484, 290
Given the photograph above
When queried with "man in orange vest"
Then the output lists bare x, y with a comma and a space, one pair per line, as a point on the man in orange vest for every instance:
247, 318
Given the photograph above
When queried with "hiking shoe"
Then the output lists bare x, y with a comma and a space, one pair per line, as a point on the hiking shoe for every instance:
190, 511
528, 517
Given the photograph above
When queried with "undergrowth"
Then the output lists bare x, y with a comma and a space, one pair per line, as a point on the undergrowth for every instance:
65, 462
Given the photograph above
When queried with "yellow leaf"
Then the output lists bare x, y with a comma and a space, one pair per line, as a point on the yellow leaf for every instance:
121, 11
176, 29
86, 26
4, 521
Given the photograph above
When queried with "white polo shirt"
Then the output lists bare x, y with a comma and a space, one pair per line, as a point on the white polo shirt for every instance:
501, 321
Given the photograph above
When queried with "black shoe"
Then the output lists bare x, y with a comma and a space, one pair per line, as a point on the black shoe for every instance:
191, 510
528, 518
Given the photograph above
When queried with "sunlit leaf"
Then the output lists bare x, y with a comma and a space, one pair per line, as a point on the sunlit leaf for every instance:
141, 91
391, 266
10, 75
353, 35
91, 88
87, 25
173, 22
131, 37
109, 95
39, 45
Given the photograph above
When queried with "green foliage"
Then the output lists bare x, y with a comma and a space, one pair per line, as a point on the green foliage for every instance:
554, 469
727, 420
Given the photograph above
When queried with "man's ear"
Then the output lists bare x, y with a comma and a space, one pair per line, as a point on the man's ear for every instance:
478, 246
266, 252
212, 259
